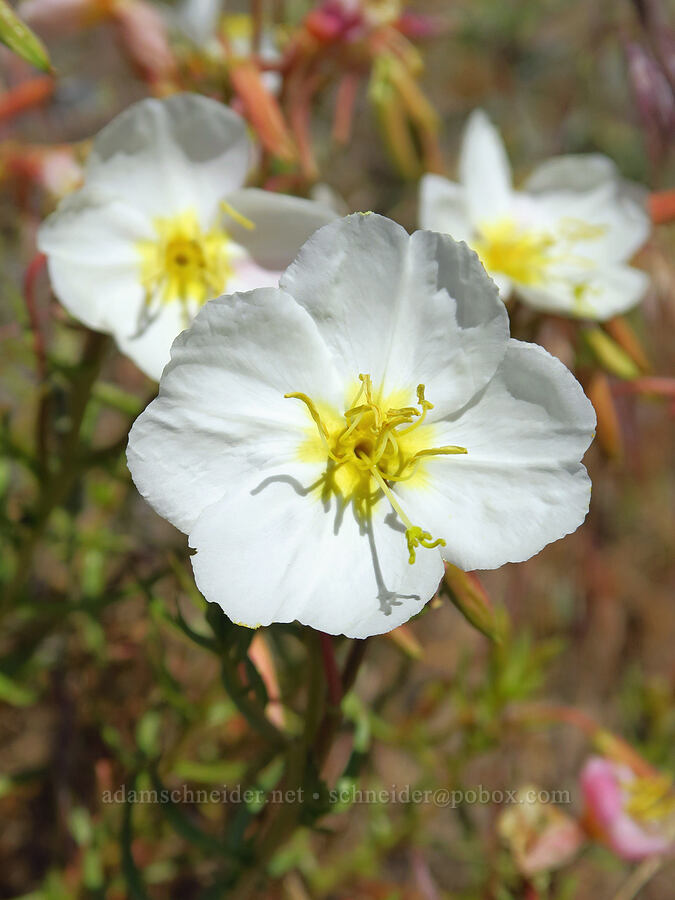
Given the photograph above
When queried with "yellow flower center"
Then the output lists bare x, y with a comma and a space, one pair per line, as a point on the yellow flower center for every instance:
522, 254
371, 446
527, 255
651, 799
186, 264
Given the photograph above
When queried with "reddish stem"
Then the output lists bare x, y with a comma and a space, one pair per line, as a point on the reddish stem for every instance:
331, 671
33, 270
344, 107
661, 386
662, 207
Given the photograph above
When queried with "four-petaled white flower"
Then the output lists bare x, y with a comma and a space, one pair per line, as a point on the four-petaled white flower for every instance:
562, 243
162, 224
326, 444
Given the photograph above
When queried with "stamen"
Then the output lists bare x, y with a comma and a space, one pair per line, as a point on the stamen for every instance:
426, 406
183, 264
314, 413
529, 255
451, 450
237, 216
372, 444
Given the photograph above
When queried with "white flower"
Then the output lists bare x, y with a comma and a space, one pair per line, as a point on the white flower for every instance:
162, 224
205, 25
199, 20
327, 444
562, 243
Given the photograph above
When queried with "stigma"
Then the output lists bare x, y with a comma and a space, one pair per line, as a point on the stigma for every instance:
371, 447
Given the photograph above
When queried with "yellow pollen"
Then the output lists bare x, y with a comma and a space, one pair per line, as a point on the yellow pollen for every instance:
371, 446
527, 254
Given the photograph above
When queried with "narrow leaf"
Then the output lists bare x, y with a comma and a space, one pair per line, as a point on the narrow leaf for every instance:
19, 38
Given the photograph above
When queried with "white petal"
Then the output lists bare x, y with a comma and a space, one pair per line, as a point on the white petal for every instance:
282, 224
150, 347
504, 284
604, 293
621, 222
90, 242
170, 155
574, 172
484, 170
199, 19
221, 410
406, 310
443, 208
271, 553
248, 275
521, 485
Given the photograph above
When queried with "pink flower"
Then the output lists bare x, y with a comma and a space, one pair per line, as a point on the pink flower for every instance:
350, 20
634, 815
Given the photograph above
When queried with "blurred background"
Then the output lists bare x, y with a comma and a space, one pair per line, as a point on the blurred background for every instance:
104, 682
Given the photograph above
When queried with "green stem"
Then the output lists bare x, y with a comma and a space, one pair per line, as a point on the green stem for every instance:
282, 825
255, 716
57, 484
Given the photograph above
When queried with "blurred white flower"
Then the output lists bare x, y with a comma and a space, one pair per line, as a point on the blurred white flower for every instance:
540, 836
162, 224
198, 19
237, 34
562, 243
227, 36
321, 443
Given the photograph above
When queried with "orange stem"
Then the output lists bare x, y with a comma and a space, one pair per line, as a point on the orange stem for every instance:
25, 96
344, 108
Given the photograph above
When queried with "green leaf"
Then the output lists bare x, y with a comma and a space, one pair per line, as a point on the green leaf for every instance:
81, 826
148, 733
130, 871
19, 38
183, 825
115, 397
609, 354
15, 694
219, 771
